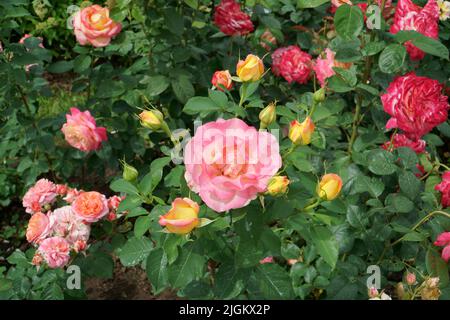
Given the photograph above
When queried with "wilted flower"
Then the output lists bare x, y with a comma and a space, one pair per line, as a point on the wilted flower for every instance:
431, 291
444, 9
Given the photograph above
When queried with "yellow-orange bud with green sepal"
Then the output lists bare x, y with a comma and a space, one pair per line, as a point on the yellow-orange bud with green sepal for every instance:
268, 115
277, 185
182, 218
152, 119
300, 133
251, 69
329, 187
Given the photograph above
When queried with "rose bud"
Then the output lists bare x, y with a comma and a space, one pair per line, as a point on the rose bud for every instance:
277, 185
329, 187
268, 115
300, 133
129, 172
373, 292
251, 69
267, 40
222, 80
152, 119
410, 278
182, 218
319, 95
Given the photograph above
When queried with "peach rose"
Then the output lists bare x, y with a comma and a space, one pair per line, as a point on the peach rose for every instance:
222, 79
55, 251
90, 206
92, 25
182, 218
228, 163
81, 131
38, 227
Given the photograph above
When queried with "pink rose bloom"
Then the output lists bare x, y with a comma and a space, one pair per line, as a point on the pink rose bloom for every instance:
92, 25
266, 260
444, 188
38, 227
409, 16
400, 140
79, 245
72, 194
291, 63
42, 193
81, 131
324, 67
228, 163
90, 206
66, 224
55, 251
114, 202
230, 19
443, 240
416, 105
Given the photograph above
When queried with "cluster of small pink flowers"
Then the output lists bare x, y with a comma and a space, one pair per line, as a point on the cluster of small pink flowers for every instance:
56, 230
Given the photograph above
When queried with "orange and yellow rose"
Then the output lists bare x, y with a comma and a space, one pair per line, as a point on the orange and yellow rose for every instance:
182, 218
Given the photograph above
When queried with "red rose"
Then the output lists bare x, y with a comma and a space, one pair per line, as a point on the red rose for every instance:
415, 104
292, 64
444, 188
231, 20
409, 16
400, 140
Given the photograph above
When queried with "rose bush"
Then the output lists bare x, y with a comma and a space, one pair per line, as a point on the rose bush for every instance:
230, 149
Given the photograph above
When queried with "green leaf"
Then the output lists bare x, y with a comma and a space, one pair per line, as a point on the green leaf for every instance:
156, 268
188, 267
381, 162
326, 244
274, 282
409, 184
426, 44
122, 185
392, 58
134, 251
305, 4
356, 217
5, 284
156, 85
141, 226
60, 67
81, 63
175, 177
436, 266
229, 281
174, 21
348, 21
197, 105
192, 3
372, 185
183, 88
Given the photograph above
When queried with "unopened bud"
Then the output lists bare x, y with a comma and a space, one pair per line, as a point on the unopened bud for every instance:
410, 278
277, 185
319, 95
268, 115
152, 119
129, 172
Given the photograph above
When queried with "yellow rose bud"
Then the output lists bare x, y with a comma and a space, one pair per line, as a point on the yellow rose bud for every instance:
152, 119
268, 115
182, 218
277, 185
300, 133
329, 187
250, 69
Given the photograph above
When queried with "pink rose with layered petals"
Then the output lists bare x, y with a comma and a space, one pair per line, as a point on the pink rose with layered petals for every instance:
72, 194
92, 25
228, 163
231, 20
291, 63
55, 251
66, 224
444, 188
443, 240
81, 131
400, 140
324, 67
416, 105
38, 227
409, 16
42, 193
